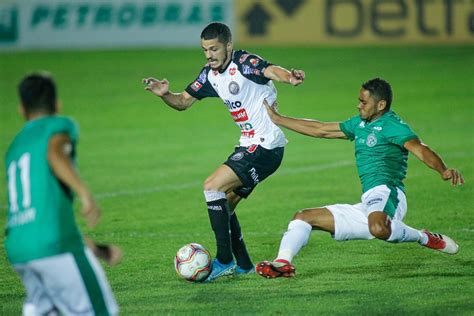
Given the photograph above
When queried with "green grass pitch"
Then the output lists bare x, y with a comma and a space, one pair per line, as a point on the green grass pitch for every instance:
146, 164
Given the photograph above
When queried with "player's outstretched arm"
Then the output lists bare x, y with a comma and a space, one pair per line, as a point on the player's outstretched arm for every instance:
277, 73
178, 101
434, 161
59, 158
307, 127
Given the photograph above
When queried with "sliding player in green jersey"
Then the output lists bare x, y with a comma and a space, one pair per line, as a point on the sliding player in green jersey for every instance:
42, 242
382, 142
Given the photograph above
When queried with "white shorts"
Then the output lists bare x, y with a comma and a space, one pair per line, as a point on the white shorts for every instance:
73, 284
351, 221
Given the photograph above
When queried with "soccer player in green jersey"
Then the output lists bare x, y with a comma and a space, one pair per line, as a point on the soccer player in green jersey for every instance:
382, 142
42, 241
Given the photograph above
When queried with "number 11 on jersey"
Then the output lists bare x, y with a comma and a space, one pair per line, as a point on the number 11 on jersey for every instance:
23, 164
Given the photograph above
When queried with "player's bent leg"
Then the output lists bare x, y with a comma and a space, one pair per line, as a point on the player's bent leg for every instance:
215, 188
223, 179
318, 218
239, 249
379, 225
297, 235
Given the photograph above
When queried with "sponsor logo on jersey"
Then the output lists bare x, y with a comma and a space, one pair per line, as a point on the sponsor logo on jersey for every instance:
362, 124
371, 140
243, 58
254, 175
240, 115
247, 130
374, 201
196, 86
22, 218
254, 61
249, 134
232, 71
202, 77
247, 70
237, 156
234, 88
232, 105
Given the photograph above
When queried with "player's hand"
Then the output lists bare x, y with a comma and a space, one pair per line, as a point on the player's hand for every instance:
90, 210
297, 77
454, 175
157, 87
111, 254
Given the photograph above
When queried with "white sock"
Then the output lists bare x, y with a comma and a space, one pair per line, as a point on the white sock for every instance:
294, 239
404, 233
214, 195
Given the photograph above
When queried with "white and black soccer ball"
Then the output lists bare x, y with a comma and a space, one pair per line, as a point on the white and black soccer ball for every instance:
193, 262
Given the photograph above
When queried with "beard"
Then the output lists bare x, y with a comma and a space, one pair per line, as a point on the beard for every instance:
224, 62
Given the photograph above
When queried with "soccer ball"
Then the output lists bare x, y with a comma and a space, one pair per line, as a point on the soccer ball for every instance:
193, 262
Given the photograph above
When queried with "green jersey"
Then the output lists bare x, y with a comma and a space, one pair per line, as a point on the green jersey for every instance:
381, 157
40, 216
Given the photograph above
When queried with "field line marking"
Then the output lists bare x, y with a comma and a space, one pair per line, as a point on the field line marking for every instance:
193, 184
173, 187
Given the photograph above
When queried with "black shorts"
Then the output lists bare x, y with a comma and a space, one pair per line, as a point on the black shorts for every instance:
253, 165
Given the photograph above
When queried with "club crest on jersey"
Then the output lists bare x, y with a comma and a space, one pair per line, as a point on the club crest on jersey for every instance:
237, 156
371, 140
234, 88
196, 86
232, 71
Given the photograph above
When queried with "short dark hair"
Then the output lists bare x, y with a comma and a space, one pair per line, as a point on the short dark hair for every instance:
217, 30
380, 90
38, 93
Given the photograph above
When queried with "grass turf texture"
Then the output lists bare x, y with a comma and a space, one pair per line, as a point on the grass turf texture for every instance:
146, 164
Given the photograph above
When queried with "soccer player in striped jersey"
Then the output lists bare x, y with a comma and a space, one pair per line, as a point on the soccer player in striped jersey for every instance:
243, 81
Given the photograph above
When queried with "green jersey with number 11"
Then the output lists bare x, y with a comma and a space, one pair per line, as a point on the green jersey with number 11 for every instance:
40, 216
379, 149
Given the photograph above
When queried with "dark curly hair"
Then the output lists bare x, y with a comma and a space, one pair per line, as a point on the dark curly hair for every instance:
217, 30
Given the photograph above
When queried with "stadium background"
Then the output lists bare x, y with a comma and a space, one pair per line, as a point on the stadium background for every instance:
146, 162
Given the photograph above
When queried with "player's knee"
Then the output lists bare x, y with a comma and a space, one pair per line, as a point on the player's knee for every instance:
210, 185
308, 216
379, 230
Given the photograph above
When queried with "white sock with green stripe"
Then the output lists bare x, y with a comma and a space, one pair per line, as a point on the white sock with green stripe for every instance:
401, 232
294, 239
